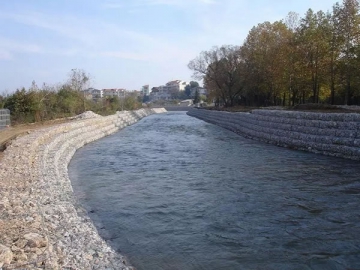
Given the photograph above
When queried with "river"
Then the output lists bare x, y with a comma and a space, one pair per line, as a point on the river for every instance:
173, 192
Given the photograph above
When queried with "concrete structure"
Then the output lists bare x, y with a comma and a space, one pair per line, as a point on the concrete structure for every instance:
4, 118
176, 85
161, 92
145, 90
187, 102
334, 134
114, 92
168, 91
96, 94
42, 226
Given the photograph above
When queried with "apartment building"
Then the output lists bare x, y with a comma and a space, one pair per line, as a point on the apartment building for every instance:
96, 94
167, 91
114, 92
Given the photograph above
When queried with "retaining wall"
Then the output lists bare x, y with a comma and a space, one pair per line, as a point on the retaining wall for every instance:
334, 134
41, 224
4, 118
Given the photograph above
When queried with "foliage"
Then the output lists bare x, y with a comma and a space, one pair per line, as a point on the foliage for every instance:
297, 60
220, 68
50, 102
197, 97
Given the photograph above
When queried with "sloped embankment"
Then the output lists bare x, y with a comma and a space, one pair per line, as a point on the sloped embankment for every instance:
41, 225
334, 134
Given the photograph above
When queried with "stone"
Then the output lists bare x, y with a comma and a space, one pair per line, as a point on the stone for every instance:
6, 255
35, 240
21, 243
37, 202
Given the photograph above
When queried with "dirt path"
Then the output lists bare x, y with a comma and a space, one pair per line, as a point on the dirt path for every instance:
10, 133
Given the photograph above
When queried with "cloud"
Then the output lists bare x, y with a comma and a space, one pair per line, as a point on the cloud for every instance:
9, 45
68, 26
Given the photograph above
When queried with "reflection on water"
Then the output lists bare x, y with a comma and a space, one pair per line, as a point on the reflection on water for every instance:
173, 192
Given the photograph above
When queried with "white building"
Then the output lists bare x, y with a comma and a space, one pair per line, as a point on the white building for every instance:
145, 90
176, 85
92, 93
95, 94
168, 91
114, 92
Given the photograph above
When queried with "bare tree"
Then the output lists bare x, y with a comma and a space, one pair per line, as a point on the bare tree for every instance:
79, 80
220, 68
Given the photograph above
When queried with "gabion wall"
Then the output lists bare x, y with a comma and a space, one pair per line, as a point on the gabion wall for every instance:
4, 118
335, 134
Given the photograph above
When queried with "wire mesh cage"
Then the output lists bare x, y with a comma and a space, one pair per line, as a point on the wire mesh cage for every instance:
4, 118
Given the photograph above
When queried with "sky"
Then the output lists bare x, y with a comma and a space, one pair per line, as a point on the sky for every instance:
124, 43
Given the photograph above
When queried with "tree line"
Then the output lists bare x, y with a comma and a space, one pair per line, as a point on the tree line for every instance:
313, 59
47, 102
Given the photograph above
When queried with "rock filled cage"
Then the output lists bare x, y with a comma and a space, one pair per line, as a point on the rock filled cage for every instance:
4, 118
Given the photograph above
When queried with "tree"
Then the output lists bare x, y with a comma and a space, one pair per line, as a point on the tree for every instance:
197, 97
190, 86
312, 39
194, 84
220, 68
348, 24
265, 62
79, 80
187, 90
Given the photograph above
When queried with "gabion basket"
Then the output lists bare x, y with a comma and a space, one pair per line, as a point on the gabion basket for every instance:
4, 118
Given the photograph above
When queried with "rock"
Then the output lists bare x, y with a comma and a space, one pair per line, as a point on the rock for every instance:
21, 243
38, 219
20, 257
6, 255
35, 240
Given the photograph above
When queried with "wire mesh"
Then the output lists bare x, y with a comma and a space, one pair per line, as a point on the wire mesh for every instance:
4, 118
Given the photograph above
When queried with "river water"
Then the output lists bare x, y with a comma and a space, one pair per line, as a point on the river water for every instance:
173, 192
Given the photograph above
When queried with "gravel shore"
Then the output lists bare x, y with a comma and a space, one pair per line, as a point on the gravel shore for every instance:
41, 224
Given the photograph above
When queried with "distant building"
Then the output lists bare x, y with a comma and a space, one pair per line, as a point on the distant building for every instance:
114, 92
96, 94
161, 92
202, 91
145, 90
176, 85
186, 102
92, 93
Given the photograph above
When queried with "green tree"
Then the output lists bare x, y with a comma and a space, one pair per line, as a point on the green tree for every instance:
265, 62
197, 97
348, 24
194, 84
313, 43
79, 80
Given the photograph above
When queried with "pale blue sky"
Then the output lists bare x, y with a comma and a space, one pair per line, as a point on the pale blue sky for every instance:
124, 43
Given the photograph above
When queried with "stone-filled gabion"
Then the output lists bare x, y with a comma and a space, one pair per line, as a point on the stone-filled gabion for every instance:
334, 134
41, 224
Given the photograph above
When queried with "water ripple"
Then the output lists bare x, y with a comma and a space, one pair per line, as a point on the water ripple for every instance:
173, 192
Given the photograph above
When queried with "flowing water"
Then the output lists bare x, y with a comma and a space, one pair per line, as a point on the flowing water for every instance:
173, 192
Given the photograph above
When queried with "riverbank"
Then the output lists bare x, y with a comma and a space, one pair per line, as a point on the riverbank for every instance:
41, 224
333, 134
